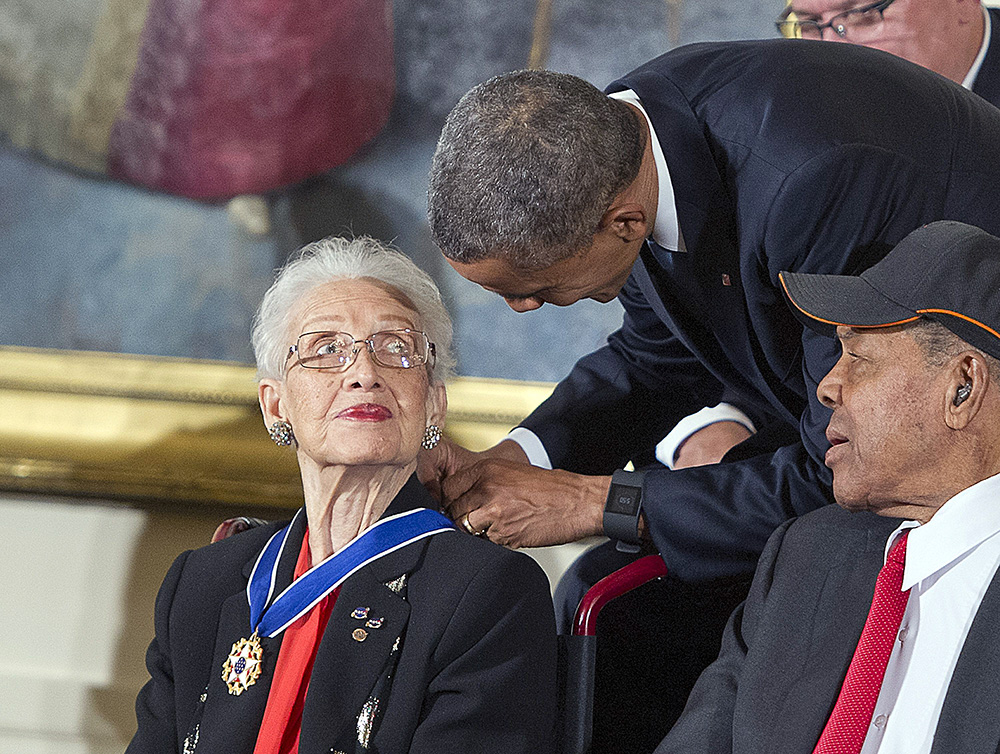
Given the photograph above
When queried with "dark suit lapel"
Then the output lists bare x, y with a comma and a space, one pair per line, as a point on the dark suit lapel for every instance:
970, 716
808, 684
705, 285
229, 722
672, 287
346, 668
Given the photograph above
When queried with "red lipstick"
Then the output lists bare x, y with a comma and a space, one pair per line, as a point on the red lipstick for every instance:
366, 412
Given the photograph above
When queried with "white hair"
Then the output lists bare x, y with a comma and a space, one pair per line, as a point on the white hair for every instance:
336, 258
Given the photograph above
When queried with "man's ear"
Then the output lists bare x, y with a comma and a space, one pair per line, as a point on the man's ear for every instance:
968, 381
627, 221
269, 395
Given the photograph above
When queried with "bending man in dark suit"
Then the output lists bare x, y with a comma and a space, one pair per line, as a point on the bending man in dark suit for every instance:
915, 435
710, 169
957, 38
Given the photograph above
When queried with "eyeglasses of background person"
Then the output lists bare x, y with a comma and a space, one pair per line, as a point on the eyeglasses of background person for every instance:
859, 25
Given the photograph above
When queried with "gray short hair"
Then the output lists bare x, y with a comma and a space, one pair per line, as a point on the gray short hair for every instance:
336, 258
940, 344
526, 166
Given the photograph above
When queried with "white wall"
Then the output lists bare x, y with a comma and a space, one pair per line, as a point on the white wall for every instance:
79, 580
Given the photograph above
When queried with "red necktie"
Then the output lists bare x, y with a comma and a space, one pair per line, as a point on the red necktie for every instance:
847, 727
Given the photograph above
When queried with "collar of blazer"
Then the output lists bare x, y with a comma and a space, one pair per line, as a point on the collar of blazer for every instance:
987, 83
345, 670
704, 212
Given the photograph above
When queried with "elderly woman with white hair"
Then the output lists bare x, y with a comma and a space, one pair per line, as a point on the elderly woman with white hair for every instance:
368, 623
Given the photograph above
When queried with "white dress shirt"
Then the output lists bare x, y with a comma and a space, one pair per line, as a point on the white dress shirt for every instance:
950, 562
970, 77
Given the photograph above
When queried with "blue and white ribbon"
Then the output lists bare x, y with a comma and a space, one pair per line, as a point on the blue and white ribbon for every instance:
271, 618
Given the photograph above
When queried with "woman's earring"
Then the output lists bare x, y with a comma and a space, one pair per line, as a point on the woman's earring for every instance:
432, 436
281, 433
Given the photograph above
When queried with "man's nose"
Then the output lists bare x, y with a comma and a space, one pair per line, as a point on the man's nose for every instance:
521, 305
828, 389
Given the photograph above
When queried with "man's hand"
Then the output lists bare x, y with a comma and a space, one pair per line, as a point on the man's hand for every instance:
439, 463
709, 444
519, 505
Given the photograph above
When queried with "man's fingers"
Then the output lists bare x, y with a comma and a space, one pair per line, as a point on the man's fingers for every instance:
478, 529
460, 483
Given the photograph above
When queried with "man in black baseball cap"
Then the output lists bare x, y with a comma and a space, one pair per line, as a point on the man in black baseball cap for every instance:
812, 661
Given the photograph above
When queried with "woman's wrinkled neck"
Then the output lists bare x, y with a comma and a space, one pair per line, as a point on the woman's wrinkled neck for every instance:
344, 501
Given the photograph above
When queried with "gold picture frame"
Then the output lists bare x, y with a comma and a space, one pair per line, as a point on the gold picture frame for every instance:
140, 428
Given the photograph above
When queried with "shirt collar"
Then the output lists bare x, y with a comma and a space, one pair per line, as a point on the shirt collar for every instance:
970, 77
963, 523
666, 231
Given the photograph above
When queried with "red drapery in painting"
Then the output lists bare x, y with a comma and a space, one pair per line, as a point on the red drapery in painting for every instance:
242, 96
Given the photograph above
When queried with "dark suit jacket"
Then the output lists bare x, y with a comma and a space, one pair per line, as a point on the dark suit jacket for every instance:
786, 650
476, 671
784, 155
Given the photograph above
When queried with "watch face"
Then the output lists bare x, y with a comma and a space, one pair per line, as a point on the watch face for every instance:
622, 499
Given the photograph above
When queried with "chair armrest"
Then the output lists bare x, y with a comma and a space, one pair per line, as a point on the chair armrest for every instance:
620, 582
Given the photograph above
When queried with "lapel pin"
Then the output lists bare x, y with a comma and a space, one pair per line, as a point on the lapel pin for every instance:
374, 622
726, 280
360, 613
359, 634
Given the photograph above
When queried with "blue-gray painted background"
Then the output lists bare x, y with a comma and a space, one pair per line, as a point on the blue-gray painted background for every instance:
88, 263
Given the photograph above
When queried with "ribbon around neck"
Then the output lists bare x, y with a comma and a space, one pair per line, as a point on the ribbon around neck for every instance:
270, 618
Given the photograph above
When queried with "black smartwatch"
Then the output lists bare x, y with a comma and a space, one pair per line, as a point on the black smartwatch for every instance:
622, 509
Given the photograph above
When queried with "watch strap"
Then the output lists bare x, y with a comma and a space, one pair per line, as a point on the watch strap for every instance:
623, 507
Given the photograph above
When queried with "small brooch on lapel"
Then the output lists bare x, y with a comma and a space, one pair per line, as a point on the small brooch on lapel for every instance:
360, 613
726, 280
398, 584
359, 634
374, 622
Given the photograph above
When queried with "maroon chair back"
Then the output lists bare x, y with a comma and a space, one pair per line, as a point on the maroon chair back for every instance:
232, 526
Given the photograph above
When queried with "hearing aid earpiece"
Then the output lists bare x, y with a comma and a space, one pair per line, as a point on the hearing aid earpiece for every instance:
962, 394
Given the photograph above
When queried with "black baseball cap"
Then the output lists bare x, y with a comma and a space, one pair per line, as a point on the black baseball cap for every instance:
946, 271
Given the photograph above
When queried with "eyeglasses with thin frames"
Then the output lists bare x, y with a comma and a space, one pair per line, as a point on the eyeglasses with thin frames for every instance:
861, 24
399, 349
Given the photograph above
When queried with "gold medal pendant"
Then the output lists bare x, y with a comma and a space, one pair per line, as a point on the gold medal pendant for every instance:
242, 668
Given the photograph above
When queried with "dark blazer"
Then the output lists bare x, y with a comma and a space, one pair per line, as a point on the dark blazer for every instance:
786, 650
987, 83
475, 673
784, 155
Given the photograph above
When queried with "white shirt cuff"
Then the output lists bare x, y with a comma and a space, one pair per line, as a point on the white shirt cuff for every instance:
531, 446
666, 449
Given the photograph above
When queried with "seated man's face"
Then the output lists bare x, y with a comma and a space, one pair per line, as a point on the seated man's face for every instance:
888, 419
921, 31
